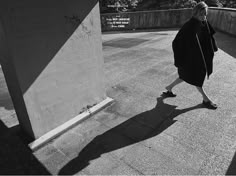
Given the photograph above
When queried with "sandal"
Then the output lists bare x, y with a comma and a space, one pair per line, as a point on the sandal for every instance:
169, 94
209, 104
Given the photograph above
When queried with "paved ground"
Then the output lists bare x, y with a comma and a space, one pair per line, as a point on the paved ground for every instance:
141, 132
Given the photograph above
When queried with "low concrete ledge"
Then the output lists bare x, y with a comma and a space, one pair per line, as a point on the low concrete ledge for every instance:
69, 124
144, 19
223, 19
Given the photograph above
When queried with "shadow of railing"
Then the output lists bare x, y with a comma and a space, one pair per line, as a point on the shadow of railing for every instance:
138, 128
15, 157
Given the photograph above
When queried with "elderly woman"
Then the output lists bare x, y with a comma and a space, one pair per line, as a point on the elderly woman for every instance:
194, 48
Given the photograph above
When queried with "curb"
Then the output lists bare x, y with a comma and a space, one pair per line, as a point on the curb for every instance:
69, 124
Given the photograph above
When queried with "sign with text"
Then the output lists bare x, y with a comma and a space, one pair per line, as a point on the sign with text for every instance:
117, 21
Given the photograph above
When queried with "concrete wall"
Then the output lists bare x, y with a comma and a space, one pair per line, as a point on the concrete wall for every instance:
54, 63
223, 19
145, 20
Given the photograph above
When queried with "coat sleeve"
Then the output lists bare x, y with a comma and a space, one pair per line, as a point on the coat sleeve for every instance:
178, 49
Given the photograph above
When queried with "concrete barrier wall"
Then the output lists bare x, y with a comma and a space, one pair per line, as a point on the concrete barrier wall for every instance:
145, 20
54, 66
223, 19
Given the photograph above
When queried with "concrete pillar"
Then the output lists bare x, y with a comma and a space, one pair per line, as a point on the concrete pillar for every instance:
51, 55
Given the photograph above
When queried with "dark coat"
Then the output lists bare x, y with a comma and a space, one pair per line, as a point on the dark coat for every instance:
194, 47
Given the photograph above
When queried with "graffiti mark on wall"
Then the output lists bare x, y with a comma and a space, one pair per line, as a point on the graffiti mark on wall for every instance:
75, 20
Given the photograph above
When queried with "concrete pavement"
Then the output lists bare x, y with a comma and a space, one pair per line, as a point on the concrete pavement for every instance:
143, 133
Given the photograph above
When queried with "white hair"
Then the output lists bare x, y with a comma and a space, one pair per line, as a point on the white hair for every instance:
199, 7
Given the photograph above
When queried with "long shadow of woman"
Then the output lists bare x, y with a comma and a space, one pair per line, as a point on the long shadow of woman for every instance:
138, 128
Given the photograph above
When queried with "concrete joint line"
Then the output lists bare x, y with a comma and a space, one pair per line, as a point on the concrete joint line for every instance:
69, 124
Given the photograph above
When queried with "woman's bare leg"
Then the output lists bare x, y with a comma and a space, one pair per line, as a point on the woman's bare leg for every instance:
204, 96
206, 101
173, 84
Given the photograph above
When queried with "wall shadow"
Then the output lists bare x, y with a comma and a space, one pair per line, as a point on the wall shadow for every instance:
226, 43
124, 42
15, 156
138, 128
232, 168
6, 103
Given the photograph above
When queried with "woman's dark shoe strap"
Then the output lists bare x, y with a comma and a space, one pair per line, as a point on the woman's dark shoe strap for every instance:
169, 94
209, 104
